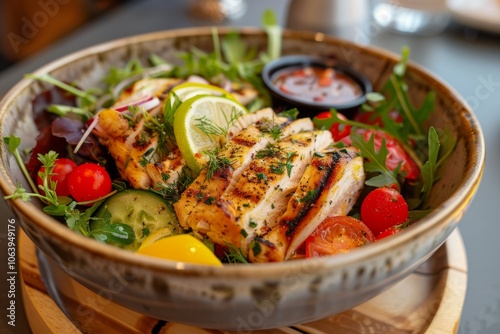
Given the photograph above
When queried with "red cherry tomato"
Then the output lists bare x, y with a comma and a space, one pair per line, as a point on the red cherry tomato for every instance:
62, 168
338, 130
390, 231
336, 235
383, 208
89, 182
396, 153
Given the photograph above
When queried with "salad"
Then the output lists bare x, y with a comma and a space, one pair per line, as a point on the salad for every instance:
190, 162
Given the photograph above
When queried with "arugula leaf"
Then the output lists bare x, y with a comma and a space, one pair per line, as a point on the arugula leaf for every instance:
156, 60
400, 68
375, 97
70, 89
234, 48
12, 142
118, 74
62, 110
448, 143
273, 30
429, 168
234, 254
375, 162
290, 113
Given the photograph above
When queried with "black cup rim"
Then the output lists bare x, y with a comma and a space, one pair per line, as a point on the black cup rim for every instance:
278, 64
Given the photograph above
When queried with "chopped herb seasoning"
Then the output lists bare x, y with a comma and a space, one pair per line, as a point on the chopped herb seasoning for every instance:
145, 231
319, 154
244, 233
309, 196
261, 176
209, 200
255, 248
199, 196
271, 150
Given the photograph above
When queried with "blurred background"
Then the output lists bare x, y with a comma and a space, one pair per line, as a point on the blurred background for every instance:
463, 51
28, 26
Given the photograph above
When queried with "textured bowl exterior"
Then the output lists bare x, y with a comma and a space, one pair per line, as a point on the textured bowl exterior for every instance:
247, 297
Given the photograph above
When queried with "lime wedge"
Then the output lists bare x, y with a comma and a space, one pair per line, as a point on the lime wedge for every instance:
201, 124
187, 90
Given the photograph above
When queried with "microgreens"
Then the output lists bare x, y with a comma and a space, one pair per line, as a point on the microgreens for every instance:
234, 254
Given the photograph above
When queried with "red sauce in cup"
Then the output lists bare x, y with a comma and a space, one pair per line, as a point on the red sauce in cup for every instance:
317, 84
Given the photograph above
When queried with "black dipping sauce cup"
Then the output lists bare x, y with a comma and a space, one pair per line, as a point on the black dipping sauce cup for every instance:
306, 108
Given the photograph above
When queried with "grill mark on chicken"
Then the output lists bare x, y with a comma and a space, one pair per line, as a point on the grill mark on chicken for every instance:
239, 150
192, 209
338, 168
325, 168
260, 194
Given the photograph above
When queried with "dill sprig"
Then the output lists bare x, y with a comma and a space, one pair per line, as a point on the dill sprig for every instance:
280, 167
209, 128
271, 150
171, 191
215, 163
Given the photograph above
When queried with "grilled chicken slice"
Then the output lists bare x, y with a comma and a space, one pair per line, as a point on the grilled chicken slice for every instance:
261, 194
235, 213
196, 205
127, 144
329, 187
245, 95
166, 171
252, 118
155, 86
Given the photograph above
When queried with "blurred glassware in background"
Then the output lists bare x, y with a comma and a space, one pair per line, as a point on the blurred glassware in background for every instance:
422, 17
337, 17
218, 10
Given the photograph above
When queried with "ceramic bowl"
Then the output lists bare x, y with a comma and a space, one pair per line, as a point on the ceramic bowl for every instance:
309, 107
246, 297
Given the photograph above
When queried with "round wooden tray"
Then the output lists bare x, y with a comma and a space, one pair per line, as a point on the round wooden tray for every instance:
430, 300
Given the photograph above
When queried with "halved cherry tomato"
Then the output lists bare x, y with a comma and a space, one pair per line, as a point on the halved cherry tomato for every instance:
336, 235
62, 168
396, 155
89, 182
368, 117
383, 208
338, 130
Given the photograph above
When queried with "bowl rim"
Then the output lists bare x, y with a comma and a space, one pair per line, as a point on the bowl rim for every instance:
297, 60
462, 194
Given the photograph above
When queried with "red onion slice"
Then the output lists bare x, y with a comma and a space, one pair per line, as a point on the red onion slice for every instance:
146, 101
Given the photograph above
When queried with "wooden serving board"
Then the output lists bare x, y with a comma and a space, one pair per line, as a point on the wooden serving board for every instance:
430, 300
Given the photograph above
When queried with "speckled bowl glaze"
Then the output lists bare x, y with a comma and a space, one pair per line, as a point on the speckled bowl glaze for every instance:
247, 297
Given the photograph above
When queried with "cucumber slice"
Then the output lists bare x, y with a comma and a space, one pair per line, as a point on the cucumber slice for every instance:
142, 210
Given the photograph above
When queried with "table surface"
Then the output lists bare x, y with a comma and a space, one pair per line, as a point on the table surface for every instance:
466, 59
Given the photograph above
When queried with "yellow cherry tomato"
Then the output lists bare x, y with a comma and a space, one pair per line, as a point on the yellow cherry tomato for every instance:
183, 248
